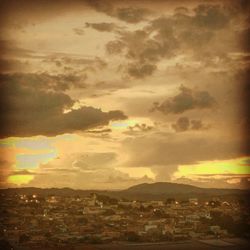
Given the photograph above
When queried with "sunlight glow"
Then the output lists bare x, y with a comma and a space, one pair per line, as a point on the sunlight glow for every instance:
20, 179
233, 166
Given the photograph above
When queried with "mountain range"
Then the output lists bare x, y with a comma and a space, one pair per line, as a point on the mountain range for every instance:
145, 191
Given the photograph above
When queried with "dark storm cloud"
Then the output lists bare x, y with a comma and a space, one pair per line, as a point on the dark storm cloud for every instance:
167, 36
191, 32
142, 51
187, 99
28, 110
141, 47
184, 124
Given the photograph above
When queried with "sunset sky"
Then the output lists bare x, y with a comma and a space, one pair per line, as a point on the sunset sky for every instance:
109, 94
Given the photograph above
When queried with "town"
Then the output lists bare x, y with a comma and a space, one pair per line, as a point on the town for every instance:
53, 221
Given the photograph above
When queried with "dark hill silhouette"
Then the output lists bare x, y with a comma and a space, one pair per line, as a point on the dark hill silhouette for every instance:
163, 188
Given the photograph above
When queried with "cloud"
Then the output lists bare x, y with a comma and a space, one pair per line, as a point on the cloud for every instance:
141, 50
115, 47
112, 86
93, 161
78, 31
244, 36
45, 81
100, 131
127, 14
163, 153
156, 52
197, 125
187, 99
141, 127
102, 26
184, 124
104, 6
190, 33
141, 71
13, 65
105, 179
28, 110
22, 172
29, 12
138, 129
8, 48
210, 17
236, 182
142, 47
126, 180
60, 60
132, 15
7, 161
72, 170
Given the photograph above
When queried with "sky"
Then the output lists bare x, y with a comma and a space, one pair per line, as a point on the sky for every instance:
99, 94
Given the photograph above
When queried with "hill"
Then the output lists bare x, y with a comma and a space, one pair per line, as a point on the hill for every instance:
161, 190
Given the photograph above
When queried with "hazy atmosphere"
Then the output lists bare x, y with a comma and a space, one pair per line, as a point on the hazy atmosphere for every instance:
109, 94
